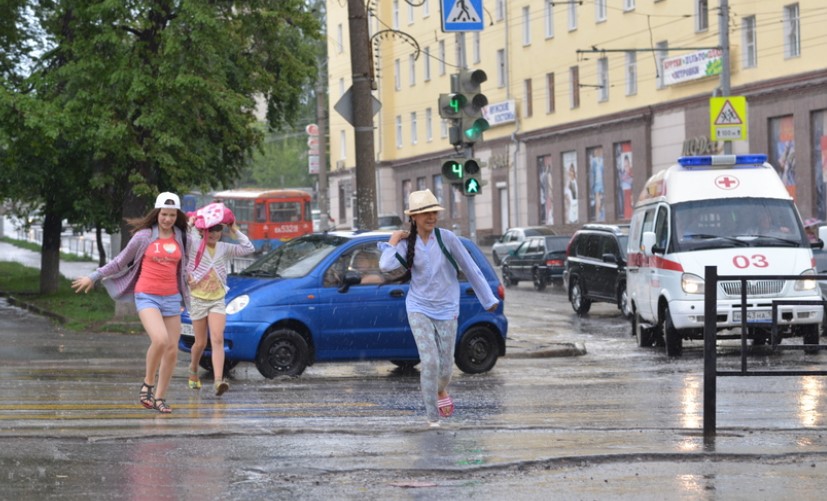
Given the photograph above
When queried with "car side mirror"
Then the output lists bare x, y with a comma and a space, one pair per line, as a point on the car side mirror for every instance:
352, 277
609, 258
647, 244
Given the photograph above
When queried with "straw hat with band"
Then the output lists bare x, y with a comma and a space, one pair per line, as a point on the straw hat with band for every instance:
423, 201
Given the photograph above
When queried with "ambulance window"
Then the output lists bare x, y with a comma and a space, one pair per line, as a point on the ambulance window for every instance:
661, 227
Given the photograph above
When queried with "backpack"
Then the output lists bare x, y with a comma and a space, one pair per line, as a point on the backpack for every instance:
441, 246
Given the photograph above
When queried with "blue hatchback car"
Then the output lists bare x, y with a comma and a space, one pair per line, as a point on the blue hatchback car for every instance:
322, 298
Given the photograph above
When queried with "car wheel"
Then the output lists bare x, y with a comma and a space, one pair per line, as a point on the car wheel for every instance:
644, 336
206, 364
810, 335
477, 351
580, 304
508, 278
539, 280
623, 302
283, 352
674, 342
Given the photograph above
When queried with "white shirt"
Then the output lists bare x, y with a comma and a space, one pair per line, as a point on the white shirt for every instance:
434, 287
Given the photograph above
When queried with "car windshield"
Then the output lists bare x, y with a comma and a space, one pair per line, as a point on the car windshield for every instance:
736, 222
295, 258
555, 244
540, 230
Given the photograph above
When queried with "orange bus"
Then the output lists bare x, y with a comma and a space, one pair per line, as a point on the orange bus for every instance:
269, 217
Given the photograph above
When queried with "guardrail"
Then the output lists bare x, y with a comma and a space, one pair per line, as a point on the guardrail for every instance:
711, 372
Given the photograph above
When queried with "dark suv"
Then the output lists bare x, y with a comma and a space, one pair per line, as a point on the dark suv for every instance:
596, 267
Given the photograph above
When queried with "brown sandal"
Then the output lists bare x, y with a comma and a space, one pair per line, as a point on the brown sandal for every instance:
145, 397
161, 406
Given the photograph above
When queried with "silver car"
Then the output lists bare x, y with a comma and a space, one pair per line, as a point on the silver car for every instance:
512, 239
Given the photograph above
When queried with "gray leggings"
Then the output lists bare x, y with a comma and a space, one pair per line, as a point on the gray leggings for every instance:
435, 340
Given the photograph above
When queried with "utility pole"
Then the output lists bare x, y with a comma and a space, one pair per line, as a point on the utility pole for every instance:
723, 33
360, 63
469, 151
321, 121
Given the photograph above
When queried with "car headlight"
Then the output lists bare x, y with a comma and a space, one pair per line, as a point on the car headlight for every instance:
692, 284
238, 304
806, 285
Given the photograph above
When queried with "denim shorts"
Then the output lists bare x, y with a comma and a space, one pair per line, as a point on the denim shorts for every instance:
169, 306
201, 308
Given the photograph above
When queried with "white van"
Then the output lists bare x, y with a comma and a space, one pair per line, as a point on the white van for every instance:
733, 212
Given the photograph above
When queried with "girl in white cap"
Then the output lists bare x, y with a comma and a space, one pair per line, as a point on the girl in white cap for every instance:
432, 302
152, 269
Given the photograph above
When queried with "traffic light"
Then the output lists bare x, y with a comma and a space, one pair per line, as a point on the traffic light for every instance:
454, 170
472, 123
451, 105
471, 178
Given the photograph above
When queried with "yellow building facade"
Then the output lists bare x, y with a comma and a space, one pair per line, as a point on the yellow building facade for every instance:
586, 101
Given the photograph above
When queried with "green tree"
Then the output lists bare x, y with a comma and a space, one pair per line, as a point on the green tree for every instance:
127, 98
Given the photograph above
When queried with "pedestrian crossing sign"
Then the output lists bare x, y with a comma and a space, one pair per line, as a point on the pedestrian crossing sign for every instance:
728, 118
461, 15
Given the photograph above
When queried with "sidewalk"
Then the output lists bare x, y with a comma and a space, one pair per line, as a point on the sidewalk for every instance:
69, 269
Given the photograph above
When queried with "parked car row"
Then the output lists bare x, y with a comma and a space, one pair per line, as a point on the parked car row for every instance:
591, 264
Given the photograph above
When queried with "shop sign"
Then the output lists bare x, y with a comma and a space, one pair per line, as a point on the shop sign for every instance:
692, 66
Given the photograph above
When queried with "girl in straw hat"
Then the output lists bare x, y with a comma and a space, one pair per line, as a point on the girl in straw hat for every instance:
432, 302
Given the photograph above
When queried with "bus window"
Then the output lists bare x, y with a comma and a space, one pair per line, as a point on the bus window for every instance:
284, 212
308, 212
261, 213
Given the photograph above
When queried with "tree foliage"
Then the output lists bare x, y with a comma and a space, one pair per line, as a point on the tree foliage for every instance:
104, 103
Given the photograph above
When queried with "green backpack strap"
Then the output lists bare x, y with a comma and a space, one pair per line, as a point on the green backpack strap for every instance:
445, 250
402, 260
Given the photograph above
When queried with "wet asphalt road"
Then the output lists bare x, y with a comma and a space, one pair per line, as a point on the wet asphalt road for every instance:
617, 422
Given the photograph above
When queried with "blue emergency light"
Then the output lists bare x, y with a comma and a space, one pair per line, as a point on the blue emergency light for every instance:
713, 160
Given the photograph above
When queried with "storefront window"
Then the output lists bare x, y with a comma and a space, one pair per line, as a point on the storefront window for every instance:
545, 184
819, 128
623, 179
571, 200
782, 150
596, 192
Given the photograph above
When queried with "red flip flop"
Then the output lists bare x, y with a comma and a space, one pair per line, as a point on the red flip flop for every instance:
446, 406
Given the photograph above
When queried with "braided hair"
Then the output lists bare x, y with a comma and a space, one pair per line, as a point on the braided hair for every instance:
409, 256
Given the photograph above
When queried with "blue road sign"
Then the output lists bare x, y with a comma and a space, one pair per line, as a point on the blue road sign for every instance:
461, 15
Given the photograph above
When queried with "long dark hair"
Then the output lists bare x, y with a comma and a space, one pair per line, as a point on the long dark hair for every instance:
409, 256
151, 219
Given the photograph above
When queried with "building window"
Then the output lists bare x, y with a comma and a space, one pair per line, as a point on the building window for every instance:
526, 26
426, 9
631, 73
412, 67
548, 19
701, 15
628, 5
501, 81
427, 64
398, 131
529, 101
660, 54
600, 11
549, 92
429, 128
574, 78
410, 13
406, 190
414, 136
792, 40
443, 129
420, 183
340, 38
749, 43
475, 48
499, 10
395, 15
342, 145
603, 79
572, 16
441, 50
397, 76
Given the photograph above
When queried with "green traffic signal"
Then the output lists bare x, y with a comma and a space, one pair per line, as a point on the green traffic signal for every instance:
472, 186
451, 105
471, 182
453, 170
472, 129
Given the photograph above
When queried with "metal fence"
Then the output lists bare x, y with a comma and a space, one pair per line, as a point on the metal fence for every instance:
711, 372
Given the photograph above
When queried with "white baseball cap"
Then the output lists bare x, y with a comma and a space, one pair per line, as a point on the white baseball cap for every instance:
167, 200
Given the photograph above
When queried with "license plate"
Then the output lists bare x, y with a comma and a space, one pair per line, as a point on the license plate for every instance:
754, 316
186, 330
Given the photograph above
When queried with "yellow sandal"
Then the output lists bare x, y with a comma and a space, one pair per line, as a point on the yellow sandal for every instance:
194, 384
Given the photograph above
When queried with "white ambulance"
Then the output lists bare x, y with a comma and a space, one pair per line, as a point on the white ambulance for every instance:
733, 212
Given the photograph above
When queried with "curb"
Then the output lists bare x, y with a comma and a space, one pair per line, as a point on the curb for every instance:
545, 351
33, 308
